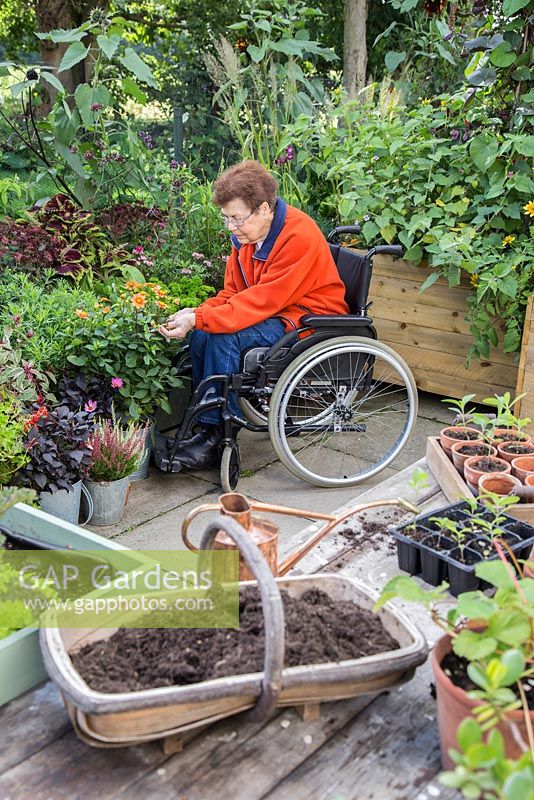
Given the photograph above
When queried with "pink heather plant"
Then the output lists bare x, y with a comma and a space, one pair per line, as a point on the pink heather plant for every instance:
117, 451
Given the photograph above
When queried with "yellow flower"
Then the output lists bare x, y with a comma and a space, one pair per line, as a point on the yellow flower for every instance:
132, 286
508, 240
139, 300
160, 292
474, 280
529, 208
81, 313
440, 203
160, 304
425, 101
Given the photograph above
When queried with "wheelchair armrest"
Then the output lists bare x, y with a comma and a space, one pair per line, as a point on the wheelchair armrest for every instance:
331, 320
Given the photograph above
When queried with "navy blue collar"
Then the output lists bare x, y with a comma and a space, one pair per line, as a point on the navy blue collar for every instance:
279, 219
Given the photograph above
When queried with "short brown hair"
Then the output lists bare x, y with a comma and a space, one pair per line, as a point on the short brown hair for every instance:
248, 181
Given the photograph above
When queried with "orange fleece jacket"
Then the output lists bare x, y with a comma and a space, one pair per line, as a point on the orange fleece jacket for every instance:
298, 277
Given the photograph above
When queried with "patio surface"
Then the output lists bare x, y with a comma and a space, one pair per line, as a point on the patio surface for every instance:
156, 506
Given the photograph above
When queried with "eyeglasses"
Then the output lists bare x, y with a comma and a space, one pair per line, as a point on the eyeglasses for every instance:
236, 222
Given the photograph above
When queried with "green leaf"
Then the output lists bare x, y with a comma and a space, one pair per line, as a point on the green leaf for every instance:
370, 231
514, 663
468, 733
472, 645
524, 145
256, 53
474, 605
496, 573
432, 278
483, 151
73, 55
62, 35
510, 7
393, 59
302, 104
85, 95
518, 785
263, 25
503, 56
78, 361
108, 44
510, 627
484, 76
131, 61
444, 53
52, 80
74, 161
131, 87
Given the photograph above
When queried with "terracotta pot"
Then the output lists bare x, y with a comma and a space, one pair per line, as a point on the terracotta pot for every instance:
472, 473
502, 450
498, 483
448, 441
459, 459
518, 436
454, 705
529, 480
523, 466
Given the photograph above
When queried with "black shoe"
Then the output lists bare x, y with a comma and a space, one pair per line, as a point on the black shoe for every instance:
200, 450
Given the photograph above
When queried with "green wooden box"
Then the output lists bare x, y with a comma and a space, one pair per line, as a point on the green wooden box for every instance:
21, 665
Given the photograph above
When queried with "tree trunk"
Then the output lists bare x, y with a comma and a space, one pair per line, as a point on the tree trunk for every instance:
354, 46
54, 14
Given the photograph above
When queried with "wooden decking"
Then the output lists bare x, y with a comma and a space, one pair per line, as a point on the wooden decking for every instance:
370, 748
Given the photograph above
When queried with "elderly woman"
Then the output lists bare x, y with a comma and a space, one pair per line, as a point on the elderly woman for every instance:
280, 268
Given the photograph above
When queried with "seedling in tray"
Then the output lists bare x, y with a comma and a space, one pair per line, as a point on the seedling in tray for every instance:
458, 531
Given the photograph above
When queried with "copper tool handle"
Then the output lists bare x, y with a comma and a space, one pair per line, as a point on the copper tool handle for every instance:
190, 517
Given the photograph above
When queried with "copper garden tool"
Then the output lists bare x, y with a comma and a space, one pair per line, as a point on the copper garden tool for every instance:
265, 533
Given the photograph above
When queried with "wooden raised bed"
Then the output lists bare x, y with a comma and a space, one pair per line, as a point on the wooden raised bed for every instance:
428, 329
453, 485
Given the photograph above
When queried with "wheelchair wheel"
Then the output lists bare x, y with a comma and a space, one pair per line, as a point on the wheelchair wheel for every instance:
342, 411
253, 411
230, 468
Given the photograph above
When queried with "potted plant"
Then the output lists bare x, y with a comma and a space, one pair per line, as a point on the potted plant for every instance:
460, 432
483, 669
59, 453
116, 454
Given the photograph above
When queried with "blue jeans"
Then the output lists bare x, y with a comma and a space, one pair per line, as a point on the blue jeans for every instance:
220, 354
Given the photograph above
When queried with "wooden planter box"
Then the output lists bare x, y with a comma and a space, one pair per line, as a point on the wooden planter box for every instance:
453, 485
21, 664
428, 329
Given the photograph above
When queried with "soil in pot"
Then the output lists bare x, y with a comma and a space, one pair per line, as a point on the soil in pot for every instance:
318, 630
487, 465
463, 434
455, 668
474, 449
507, 449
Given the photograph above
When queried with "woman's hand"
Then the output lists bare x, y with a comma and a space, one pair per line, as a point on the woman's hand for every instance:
178, 325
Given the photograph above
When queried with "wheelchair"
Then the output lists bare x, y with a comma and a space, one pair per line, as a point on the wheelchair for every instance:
338, 405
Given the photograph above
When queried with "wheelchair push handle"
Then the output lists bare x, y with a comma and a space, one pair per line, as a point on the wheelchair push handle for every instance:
395, 250
341, 230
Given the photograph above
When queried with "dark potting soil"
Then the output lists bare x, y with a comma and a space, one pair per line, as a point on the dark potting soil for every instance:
476, 450
520, 449
508, 437
317, 630
416, 533
456, 668
487, 465
372, 533
469, 436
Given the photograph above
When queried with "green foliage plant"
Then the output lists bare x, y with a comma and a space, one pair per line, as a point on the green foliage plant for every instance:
496, 637
117, 339
451, 184
272, 82
19, 377
459, 407
13, 454
86, 145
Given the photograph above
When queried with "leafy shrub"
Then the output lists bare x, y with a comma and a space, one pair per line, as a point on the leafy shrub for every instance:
131, 222
58, 447
450, 184
29, 248
18, 377
41, 317
118, 339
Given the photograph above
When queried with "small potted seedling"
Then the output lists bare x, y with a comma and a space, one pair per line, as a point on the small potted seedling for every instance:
481, 447
508, 426
458, 433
